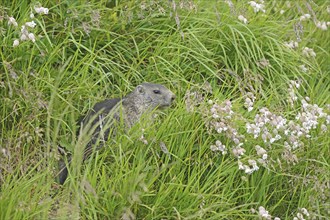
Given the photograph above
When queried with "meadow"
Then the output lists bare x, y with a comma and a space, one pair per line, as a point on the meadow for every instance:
248, 136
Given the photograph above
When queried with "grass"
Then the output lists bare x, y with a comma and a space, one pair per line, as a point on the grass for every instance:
86, 52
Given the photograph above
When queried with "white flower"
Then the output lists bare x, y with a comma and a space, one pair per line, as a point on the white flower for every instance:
308, 52
322, 25
305, 212
240, 165
12, 21
24, 33
277, 137
215, 116
263, 213
229, 3
220, 127
41, 10
303, 68
247, 169
300, 216
254, 165
253, 129
31, 15
264, 156
24, 30
214, 148
219, 147
242, 19
31, 37
260, 150
31, 24
16, 43
308, 16
305, 17
23, 37
257, 7
219, 144
252, 3
291, 44
248, 104
282, 12
249, 101
238, 151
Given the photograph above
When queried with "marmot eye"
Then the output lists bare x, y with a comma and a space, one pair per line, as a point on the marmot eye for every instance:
156, 91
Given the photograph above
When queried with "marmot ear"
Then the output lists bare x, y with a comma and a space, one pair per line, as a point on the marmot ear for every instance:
140, 89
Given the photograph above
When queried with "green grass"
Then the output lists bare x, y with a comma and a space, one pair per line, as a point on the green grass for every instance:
80, 58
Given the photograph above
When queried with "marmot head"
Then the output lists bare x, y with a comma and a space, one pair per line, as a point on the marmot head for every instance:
153, 96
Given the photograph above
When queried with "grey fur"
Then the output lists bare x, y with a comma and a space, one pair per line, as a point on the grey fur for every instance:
102, 118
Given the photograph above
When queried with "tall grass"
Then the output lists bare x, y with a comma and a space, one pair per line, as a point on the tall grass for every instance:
86, 52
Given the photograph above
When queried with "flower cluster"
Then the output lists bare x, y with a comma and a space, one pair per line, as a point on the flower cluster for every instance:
308, 52
293, 85
267, 126
261, 152
229, 3
305, 17
249, 101
221, 116
257, 6
220, 110
248, 169
12, 21
193, 99
272, 127
303, 68
238, 151
263, 213
242, 19
291, 44
41, 10
319, 24
259, 127
302, 214
219, 147
309, 116
322, 25
25, 33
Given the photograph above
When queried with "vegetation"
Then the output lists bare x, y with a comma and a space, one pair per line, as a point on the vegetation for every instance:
247, 138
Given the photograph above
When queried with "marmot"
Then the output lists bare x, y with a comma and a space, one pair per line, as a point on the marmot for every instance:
102, 118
